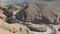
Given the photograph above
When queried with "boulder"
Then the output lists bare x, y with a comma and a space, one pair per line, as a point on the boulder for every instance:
37, 27
12, 20
3, 17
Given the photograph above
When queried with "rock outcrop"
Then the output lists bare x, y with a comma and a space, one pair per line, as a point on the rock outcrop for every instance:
37, 27
57, 27
14, 28
3, 17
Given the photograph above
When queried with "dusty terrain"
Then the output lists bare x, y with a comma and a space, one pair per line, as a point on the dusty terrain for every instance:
41, 17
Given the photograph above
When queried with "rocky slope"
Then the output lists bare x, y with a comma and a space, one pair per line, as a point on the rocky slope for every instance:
16, 28
30, 18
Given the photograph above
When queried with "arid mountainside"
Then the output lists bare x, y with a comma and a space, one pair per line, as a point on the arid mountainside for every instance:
48, 12
41, 12
30, 18
53, 12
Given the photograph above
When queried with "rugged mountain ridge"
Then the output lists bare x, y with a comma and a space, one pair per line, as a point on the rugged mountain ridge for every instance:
39, 16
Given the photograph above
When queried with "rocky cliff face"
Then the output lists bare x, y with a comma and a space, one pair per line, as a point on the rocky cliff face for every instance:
16, 28
41, 12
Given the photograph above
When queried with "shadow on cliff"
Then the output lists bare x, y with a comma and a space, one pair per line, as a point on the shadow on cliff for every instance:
22, 15
44, 20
